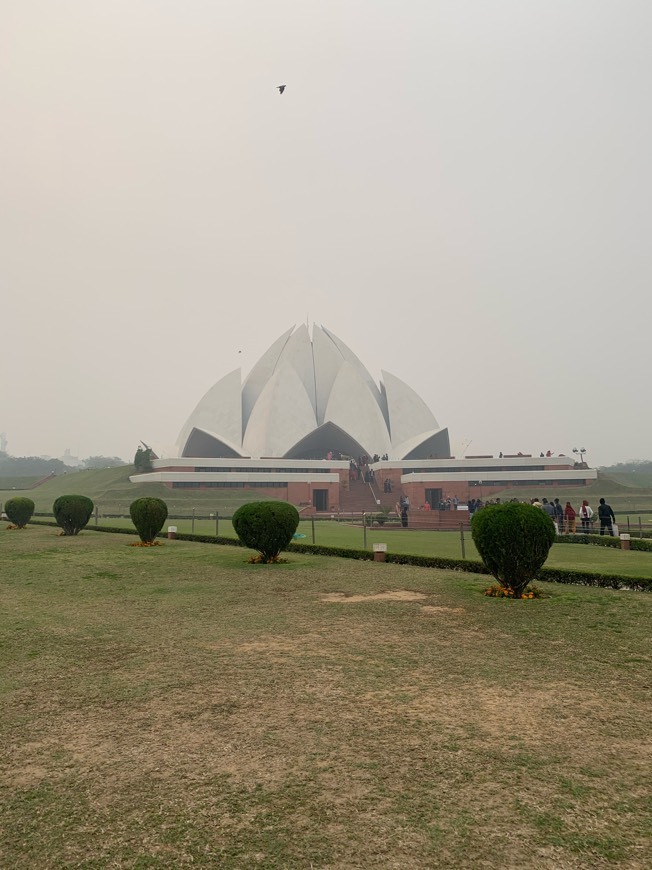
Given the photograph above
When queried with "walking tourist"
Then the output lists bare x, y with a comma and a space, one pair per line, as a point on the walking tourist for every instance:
570, 519
549, 508
586, 512
559, 513
607, 517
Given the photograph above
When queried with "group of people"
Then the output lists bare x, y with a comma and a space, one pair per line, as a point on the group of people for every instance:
565, 518
361, 470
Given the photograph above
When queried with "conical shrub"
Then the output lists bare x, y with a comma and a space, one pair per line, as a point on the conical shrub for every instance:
148, 515
72, 512
19, 510
513, 541
266, 526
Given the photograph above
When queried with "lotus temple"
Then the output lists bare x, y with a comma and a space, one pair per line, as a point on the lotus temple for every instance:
311, 426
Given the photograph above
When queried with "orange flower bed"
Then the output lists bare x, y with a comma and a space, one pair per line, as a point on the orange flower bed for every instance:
147, 544
507, 592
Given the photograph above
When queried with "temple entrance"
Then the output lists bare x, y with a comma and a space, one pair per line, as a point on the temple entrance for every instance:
433, 497
320, 499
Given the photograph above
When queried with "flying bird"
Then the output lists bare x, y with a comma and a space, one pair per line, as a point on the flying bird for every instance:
281, 88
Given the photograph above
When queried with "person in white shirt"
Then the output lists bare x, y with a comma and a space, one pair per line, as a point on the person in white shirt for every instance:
586, 512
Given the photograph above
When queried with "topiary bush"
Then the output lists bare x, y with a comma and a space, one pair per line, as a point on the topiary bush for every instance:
266, 526
513, 541
72, 512
19, 511
148, 515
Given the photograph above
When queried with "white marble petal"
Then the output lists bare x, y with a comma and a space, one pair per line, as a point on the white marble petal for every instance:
219, 411
328, 360
350, 357
282, 415
435, 442
408, 413
260, 375
203, 443
298, 353
353, 407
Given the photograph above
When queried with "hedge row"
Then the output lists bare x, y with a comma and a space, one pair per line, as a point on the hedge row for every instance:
181, 536
604, 541
589, 578
550, 575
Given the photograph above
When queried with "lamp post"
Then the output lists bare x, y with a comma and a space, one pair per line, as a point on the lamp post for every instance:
580, 452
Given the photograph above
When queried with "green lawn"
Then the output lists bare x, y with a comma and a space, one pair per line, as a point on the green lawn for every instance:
177, 706
12, 484
445, 544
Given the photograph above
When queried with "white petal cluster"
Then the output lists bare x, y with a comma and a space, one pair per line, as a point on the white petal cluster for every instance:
305, 397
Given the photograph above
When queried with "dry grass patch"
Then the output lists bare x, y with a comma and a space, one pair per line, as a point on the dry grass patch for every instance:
397, 595
177, 706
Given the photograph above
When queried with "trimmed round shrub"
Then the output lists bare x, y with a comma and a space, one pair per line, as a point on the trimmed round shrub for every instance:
513, 541
266, 526
19, 510
72, 512
148, 515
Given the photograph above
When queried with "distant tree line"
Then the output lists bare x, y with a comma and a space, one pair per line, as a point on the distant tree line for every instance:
630, 465
36, 466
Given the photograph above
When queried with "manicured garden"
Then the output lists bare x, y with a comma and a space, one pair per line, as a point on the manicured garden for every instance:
424, 543
177, 705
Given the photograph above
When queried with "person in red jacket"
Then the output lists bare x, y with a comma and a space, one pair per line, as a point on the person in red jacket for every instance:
569, 519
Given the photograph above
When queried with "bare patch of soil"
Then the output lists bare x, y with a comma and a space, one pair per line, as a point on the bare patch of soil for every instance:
396, 595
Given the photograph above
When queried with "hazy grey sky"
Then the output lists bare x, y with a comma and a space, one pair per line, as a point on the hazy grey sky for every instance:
461, 191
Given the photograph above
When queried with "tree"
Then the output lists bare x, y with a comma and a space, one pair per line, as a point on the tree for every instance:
513, 541
72, 512
19, 511
148, 515
266, 526
143, 459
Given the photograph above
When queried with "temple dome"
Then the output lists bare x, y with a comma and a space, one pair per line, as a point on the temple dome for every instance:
307, 396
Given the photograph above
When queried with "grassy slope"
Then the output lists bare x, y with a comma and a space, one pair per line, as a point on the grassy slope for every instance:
632, 478
16, 483
176, 705
112, 491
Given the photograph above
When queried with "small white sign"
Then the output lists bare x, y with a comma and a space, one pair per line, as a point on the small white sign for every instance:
380, 548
